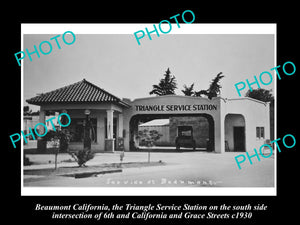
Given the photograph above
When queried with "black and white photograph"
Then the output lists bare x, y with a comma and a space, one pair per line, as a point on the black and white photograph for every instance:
193, 109
149, 113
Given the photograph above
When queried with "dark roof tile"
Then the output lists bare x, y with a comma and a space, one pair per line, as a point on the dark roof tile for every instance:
82, 91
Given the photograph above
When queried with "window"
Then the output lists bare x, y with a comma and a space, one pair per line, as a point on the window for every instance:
260, 132
77, 129
186, 131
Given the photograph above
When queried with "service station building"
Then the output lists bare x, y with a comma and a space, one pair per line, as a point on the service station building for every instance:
217, 125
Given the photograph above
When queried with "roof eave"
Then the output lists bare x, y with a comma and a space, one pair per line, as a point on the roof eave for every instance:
120, 102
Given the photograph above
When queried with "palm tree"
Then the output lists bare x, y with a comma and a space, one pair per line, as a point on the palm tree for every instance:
214, 88
166, 86
188, 91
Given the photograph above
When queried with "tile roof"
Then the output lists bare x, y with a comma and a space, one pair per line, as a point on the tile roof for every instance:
79, 92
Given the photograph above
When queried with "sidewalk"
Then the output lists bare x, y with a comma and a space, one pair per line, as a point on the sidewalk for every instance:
46, 161
101, 164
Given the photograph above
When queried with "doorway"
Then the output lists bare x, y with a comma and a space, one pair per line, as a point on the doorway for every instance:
239, 139
235, 137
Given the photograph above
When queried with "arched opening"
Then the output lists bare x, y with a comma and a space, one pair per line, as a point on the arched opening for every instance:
177, 131
235, 138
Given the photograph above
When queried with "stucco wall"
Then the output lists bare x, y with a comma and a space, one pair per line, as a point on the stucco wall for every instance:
174, 105
200, 129
256, 114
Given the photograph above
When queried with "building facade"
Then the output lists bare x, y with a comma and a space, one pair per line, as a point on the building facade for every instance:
219, 124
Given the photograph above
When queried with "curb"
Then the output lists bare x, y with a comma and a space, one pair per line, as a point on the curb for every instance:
90, 174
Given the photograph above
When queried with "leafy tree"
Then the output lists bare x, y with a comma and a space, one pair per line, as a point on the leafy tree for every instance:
166, 86
149, 138
214, 87
26, 111
260, 94
188, 91
60, 140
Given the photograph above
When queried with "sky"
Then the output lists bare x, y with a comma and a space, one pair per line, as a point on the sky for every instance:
116, 63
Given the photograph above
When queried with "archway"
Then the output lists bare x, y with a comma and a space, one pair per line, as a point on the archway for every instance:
235, 137
202, 126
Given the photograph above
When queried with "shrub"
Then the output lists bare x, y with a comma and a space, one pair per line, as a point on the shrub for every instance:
26, 161
82, 156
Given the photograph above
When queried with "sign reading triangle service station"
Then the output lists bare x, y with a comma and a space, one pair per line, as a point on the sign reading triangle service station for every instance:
173, 104
174, 108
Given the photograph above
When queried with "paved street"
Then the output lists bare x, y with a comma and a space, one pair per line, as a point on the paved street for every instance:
180, 170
